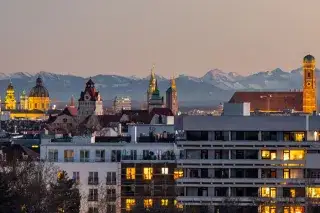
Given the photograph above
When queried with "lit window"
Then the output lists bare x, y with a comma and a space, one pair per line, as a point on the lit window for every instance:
147, 173
286, 155
268, 209
130, 173
164, 171
177, 204
164, 202
265, 154
313, 192
130, 203
293, 209
299, 137
178, 173
292, 192
268, 192
286, 173
147, 203
293, 154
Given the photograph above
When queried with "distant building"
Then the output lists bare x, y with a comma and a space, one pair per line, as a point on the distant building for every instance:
172, 97
270, 101
23, 101
121, 103
10, 100
156, 101
90, 102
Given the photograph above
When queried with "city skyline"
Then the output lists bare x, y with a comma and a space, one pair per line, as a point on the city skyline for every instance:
183, 37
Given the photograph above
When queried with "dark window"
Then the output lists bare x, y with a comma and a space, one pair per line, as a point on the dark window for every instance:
221, 135
197, 135
240, 135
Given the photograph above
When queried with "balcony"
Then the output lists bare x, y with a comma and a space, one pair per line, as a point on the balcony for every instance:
167, 156
93, 180
152, 139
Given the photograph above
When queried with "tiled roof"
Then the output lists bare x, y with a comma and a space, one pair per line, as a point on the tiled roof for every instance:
138, 116
270, 101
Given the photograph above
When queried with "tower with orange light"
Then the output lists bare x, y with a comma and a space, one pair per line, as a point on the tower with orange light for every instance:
309, 84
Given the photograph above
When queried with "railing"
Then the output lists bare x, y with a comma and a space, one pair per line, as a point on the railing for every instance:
147, 139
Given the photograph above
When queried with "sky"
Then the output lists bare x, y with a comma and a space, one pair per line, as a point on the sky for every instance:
126, 37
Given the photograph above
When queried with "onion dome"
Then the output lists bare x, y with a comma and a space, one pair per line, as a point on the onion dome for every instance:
10, 86
308, 58
39, 90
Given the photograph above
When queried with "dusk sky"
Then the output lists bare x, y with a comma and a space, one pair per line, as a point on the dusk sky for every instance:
87, 37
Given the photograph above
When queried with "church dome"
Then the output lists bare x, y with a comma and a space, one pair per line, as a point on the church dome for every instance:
39, 90
308, 58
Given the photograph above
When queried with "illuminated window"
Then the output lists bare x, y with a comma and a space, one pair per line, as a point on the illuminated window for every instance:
296, 154
68, 155
299, 137
147, 203
164, 202
313, 192
164, 171
147, 173
286, 155
286, 173
268, 209
292, 193
273, 155
293, 209
265, 154
130, 173
268, 192
178, 173
177, 204
130, 203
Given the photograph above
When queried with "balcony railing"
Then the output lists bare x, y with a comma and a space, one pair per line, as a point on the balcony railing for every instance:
148, 139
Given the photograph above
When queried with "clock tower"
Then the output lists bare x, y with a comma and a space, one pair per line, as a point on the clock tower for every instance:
309, 84
172, 97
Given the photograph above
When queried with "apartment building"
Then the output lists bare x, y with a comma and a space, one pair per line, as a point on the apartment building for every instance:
119, 173
249, 164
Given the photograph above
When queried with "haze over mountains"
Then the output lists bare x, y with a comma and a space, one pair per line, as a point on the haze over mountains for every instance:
214, 87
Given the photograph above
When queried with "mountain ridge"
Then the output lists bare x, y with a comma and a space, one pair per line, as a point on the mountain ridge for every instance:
213, 87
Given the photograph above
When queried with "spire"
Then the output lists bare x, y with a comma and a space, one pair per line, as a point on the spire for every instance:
173, 83
152, 77
72, 101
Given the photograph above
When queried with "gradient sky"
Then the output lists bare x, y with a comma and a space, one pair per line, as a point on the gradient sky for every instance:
87, 37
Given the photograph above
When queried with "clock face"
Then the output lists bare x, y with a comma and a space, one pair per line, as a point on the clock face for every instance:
87, 97
308, 84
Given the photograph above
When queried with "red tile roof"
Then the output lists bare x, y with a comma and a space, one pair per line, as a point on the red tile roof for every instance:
270, 101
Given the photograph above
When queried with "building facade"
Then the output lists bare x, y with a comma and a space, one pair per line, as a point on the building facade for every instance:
90, 101
119, 173
121, 103
249, 164
172, 97
23, 101
309, 84
39, 97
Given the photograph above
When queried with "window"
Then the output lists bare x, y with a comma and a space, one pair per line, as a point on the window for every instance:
53, 155
268, 209
164, 170
76, 176
111, 195
164, 202
313, 192
130, 173
267, 154
42, 105
178, 173
147, 203
111, 208
293, 154
68, 155
268, 192
93, 195
293, 209
111, 178
65, 120
84, 156
93, 178
100, 156
177, 204
147, 173
130, 203
286, 173
93, 210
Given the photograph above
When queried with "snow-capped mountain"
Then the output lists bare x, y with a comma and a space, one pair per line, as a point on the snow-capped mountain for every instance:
214, 87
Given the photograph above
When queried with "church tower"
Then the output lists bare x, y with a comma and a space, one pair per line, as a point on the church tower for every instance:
23, 101
152, 84
172, 97
10, 100
309, 84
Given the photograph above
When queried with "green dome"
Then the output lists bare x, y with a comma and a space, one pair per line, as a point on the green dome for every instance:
308, 58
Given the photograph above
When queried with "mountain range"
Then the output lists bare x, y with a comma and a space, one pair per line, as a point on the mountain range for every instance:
214, 87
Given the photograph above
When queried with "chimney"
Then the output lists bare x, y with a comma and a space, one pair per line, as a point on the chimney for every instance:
134, 134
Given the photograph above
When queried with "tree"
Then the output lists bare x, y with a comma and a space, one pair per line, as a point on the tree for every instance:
65, 196
7, 195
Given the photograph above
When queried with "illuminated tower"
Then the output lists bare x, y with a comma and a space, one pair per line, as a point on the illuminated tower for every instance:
172, 97
23, 101
309, 84
152, 84
10, 100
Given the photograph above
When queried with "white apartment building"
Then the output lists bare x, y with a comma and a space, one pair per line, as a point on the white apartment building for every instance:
121, 103
249, 164
95, 162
